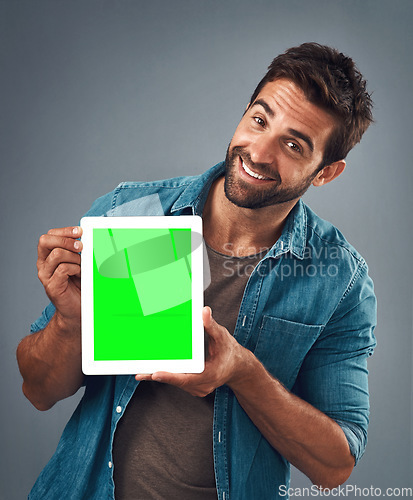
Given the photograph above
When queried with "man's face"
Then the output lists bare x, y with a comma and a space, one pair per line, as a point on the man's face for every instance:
277, 147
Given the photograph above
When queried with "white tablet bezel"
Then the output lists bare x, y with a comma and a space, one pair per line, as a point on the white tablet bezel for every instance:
90, 366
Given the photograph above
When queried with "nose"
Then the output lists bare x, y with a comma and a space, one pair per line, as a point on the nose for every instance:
262, 149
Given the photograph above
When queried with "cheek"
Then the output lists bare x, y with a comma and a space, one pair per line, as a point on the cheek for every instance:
290, 173
287, 169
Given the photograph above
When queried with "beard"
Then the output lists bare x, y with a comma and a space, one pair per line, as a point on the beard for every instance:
245, 195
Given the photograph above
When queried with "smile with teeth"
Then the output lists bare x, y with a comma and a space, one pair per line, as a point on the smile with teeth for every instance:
254, 174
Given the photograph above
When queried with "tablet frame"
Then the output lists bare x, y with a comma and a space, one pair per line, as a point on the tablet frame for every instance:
90, 366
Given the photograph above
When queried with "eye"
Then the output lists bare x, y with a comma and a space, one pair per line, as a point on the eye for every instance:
259, 120
293, 146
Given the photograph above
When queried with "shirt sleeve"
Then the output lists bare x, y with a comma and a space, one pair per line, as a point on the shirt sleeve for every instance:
43, 319
334, 374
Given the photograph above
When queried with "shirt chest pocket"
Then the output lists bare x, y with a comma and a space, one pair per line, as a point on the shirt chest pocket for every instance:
282, 346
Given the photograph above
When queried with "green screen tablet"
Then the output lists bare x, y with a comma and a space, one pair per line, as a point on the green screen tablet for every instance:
142, 295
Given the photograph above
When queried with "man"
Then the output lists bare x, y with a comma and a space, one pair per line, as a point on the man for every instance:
291, 329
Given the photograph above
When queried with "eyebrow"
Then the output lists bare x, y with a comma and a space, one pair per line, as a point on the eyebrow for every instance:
303, 137
292, 131
262, 103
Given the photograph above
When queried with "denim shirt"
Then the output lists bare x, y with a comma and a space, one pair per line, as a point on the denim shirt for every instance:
308, 314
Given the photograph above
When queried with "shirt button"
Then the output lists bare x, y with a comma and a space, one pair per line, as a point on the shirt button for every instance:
118, 409
110, 465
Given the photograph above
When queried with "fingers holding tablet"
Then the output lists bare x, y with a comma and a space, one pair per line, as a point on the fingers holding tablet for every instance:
58, 266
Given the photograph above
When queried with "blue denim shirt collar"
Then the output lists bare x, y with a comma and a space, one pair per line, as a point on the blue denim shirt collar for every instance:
294, 235
196, 193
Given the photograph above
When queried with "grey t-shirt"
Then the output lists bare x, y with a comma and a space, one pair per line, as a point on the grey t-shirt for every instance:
163, 444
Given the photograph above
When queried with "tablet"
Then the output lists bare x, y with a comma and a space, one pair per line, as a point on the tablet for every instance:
142, 295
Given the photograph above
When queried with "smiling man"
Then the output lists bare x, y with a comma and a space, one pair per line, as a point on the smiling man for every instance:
281, 133
293, 314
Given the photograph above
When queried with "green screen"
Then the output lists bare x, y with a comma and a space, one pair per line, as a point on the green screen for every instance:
142, 294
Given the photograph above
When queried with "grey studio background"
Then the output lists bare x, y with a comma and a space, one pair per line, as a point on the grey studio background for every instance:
96, 92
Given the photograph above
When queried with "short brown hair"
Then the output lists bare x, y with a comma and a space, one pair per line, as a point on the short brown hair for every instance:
332, 81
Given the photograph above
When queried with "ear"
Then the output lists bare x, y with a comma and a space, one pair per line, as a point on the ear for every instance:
329, 173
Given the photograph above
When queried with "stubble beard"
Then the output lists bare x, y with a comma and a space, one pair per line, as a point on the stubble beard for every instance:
245, 195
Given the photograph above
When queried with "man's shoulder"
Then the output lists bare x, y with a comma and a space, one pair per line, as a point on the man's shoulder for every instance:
171, 183
152, 197
128, 192
323, 234
149, 197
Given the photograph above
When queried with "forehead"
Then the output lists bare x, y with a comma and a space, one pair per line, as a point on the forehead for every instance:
288, 101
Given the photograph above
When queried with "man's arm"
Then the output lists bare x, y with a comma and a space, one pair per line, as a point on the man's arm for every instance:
50, 359
305, 436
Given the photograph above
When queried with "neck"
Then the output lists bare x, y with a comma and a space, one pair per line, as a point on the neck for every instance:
237, 231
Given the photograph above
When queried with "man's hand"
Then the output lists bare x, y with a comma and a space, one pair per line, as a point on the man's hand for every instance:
50, 359
305, 436
225, 358
58, 266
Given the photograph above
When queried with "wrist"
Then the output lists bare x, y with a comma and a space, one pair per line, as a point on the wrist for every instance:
245, 371
66, 326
